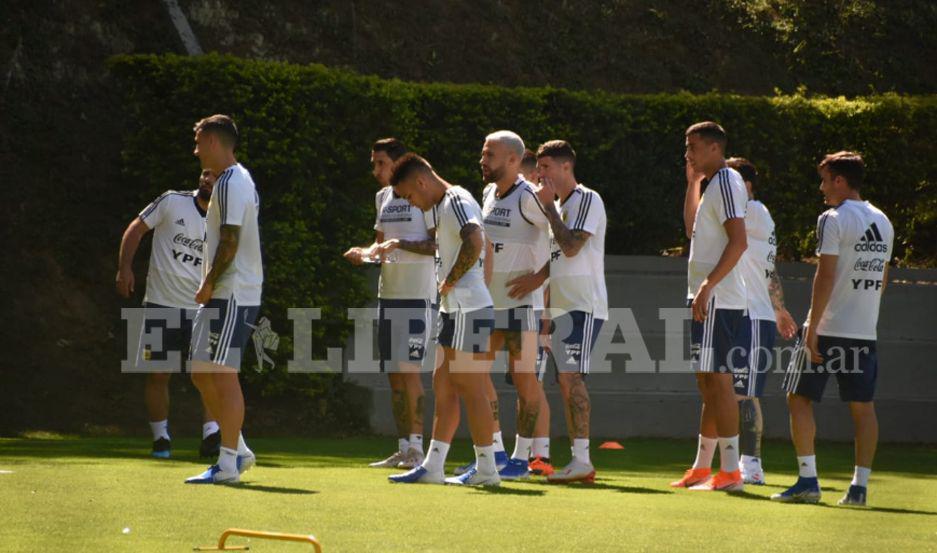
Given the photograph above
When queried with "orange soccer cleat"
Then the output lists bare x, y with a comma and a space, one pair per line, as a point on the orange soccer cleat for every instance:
692, 477
722, 482
540, 466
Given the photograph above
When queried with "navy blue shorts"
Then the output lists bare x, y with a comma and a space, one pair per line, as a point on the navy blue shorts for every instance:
466, 330
221, 330
572, 338
402, 331
750, 379
720, 343
854, 362
517, 319
163, 338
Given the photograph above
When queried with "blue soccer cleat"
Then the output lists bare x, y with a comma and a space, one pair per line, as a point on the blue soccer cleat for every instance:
214, 475
516, 469
474, 478
419, 475
162, 449
855, 496
501, 461
806, 490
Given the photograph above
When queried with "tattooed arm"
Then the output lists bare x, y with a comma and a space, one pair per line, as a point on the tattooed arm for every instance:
473, 240
569, 241
224, 255
422, 247
786, 325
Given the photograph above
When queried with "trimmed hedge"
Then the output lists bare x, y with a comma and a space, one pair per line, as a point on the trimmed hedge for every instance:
307, 130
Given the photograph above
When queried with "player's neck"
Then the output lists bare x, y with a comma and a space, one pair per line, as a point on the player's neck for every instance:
223, 163
202, 204
506, 182
848, 195
711, 171
565, 187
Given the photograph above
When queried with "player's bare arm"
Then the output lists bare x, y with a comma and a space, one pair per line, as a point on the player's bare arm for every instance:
569, 241
224, 255
786, 325
691, 201
823, 282
473, 240
520, 286
356, 254
128, 249
738, 243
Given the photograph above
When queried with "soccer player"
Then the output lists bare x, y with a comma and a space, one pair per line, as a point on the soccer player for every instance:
229, 295
578, 297
465, 322
177, 220
404, 301
517, 227
854, 242
529, 166
718, 298
766, 310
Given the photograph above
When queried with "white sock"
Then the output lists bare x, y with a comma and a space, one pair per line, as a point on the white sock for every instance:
435, 460
861, 476
497, 441
227, 459
160, 429
729, 453
541, 448
242, 446
522, 448
705, 450
209, 428
807, 465
416, 442
749, 461
403, 445
485, 459
581, 450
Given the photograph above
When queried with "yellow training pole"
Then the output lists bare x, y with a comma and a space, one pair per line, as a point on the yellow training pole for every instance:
260, 535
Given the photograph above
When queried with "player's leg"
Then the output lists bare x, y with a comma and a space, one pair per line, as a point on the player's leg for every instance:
413, 385
749, 391
707, 440
857, 387
582, 330
211, 433
156, 384
539, 462
501, 456
469, 374
156, 398
522, 362
389, 333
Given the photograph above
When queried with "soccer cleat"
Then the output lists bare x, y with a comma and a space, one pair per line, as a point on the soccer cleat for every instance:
214, 475
474, 478
162, 449
805, 490
389, 463
211, 445
501, 461
541, 466
516, 469
692, 477
855, 496
411, 459
753, 475
722, 482
418, 475
575, 471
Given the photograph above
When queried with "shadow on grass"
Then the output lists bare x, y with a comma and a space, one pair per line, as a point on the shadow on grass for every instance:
501, 490
273, 489
599, 485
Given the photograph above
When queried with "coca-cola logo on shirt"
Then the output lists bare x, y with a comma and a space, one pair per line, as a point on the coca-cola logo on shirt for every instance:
191, 243
874, 265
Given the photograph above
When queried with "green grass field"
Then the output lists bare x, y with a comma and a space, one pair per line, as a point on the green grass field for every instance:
79, 494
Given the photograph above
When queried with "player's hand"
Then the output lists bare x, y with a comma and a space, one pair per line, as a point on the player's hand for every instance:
203, 295
354, 255
810, 342
520, 286
544, 335
546, 192
700, 305
445, 288
125, 281
692, 175
787, 328
385, 247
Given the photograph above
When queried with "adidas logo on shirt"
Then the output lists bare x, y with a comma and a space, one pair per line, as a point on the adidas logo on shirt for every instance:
181, 222
871, 241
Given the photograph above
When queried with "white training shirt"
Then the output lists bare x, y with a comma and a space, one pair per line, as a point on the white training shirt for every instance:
234, 201
518, 229
862, 236
725, 198
175, 270
457, 209
410, 275
578, 283
757, 262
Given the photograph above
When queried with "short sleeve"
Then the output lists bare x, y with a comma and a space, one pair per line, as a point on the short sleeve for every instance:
463, 211
154, 213
731, 201
532, 210
590, 213
378, 202
233, 201
431, 218
828, 234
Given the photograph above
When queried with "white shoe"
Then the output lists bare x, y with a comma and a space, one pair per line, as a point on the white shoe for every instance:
475, 478
752, 473
246, 461
411, 459
389, 463
575, 471
418, 475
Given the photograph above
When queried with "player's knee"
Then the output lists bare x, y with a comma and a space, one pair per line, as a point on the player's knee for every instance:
158, 379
